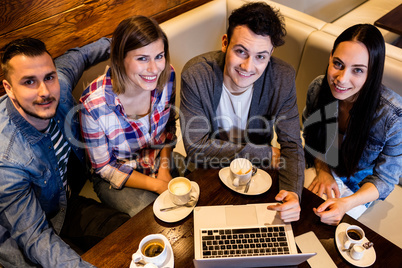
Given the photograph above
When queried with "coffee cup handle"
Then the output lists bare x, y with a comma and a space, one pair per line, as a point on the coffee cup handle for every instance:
193, 193
347, 244
137, 257
236, 182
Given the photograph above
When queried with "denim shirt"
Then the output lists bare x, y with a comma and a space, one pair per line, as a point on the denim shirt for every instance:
33, 201
381, 160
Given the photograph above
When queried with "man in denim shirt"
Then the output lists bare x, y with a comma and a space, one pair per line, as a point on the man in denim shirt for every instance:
41, 164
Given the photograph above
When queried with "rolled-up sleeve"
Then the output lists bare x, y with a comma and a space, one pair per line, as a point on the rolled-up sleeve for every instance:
99, 151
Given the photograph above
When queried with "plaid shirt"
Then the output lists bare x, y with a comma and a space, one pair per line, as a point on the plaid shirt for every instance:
116, 144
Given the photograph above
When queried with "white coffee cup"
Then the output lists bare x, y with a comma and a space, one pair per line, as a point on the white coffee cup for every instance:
357, 252
241, 171
354, 235
152, 249
180, 190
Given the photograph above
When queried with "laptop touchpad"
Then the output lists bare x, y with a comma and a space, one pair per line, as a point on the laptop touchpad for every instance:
241, 215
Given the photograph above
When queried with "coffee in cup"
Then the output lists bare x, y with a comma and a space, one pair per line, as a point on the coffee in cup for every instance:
180, 190
354, 235
152, 249
241, 171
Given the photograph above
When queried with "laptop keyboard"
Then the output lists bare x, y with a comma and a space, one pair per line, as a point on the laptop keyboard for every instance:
259, 241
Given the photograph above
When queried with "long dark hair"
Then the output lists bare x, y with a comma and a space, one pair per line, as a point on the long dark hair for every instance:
364, 108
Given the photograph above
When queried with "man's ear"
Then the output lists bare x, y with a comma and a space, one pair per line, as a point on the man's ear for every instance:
9, 89
225, 43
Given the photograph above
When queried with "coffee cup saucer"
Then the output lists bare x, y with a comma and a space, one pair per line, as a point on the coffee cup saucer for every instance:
163, 201
169, 262
261, 182
369, 256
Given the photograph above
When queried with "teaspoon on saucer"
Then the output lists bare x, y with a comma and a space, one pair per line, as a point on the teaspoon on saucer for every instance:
366, 245
249, 182
189, 204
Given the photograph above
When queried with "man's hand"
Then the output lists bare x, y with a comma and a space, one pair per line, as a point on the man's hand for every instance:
290, 209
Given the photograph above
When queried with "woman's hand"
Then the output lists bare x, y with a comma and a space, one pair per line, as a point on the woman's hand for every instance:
161, 186
324, 183
332, 210
164, 175
142, 181
164, 166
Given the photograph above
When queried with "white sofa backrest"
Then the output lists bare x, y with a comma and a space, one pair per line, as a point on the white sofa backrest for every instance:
369, 12
327, 10
195, 32
88, 76
313, 63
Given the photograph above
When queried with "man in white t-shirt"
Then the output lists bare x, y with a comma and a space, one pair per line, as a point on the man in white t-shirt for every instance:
232, 99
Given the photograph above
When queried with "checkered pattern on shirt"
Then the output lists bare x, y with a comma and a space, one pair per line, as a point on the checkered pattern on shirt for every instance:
118, 145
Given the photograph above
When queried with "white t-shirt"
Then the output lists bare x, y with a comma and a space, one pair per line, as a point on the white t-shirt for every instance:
232, 114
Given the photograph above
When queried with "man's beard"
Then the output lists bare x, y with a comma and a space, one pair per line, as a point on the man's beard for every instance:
35, 115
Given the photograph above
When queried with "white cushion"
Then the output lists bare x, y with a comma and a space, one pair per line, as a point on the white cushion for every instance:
392, 77
88, 76
328, 10
297, 15
197, 31
393, 52
369, 12
286, 11
333, 29
313, 63
292, 50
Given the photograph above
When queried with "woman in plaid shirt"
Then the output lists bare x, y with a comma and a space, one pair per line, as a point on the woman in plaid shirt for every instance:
127, 118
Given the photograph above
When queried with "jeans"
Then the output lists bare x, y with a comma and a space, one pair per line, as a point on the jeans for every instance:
127, 200
87, 222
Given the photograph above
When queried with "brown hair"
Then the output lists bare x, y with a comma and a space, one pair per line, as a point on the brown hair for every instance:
260, 18
133, 33
29, 47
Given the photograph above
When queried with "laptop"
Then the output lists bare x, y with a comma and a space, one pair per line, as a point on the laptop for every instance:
243, 236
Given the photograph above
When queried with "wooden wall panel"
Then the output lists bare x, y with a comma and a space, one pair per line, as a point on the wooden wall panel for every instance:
16, 14
63, 24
